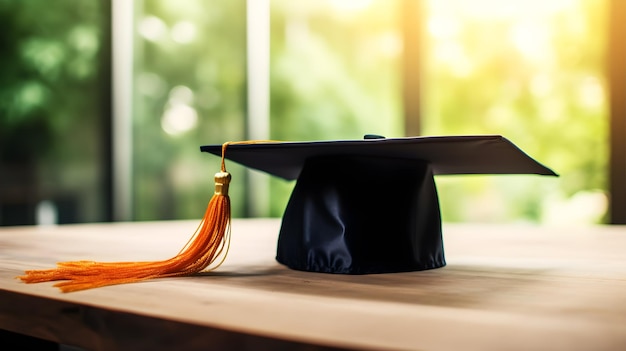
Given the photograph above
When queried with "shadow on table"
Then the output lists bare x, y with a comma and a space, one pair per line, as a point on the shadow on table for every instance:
460, 286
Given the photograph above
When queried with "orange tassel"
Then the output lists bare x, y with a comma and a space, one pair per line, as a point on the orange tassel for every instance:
210, 240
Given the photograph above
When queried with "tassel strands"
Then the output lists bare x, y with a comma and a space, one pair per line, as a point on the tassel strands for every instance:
210, 241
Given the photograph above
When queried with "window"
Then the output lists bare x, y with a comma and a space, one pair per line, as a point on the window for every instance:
530, 70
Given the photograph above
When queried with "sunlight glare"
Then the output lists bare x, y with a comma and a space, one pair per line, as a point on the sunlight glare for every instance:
532, 40
184, 32
178, 119
181, 94
508, 9
152, 28
350, 5
591, 93
441, 27
541, 85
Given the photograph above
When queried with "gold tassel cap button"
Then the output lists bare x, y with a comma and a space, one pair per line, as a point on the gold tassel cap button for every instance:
222, 179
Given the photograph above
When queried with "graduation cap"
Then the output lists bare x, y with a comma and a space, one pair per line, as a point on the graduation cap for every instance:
358, 206
371, 206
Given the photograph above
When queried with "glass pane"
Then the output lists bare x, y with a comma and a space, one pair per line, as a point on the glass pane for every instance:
189, 91
532, 71
54, 105
335, 73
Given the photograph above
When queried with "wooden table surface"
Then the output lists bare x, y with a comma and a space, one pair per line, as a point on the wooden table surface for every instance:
506, 287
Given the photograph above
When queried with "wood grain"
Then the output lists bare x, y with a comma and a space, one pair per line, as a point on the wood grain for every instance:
506, 287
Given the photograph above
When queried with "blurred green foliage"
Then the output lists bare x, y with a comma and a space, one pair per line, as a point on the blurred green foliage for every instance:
49, 58
53, 104
532, 71
528, 70
344, 91
335, 74
190, 73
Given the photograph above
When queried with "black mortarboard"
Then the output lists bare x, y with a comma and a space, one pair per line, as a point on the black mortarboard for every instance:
371, 206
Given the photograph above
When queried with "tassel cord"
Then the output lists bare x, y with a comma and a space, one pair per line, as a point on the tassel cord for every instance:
85, 274
210, 241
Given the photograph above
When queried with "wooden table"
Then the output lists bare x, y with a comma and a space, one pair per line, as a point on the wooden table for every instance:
506, 287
